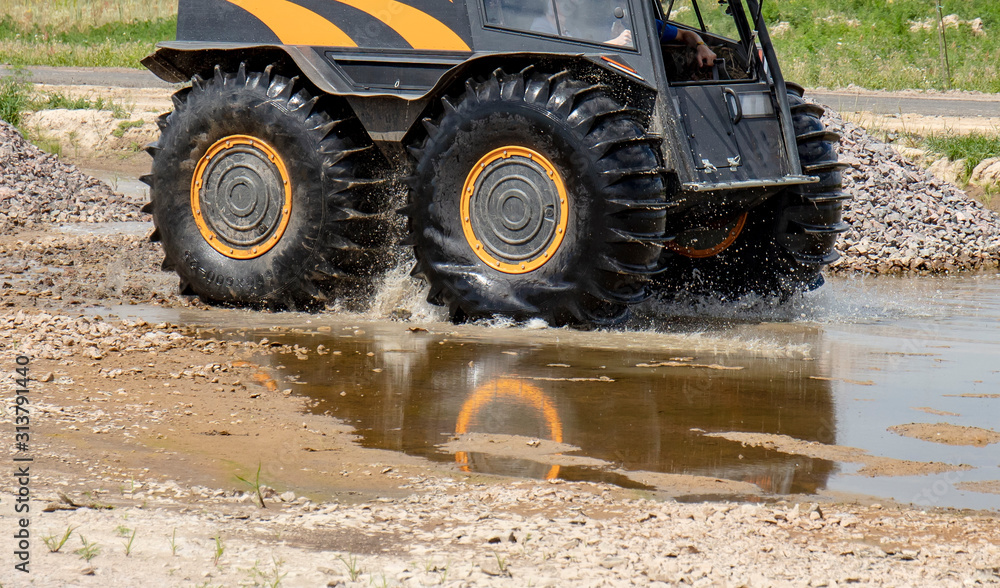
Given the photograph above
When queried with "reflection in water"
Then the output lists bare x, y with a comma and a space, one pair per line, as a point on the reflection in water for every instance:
492, 408
632, 410
888, 351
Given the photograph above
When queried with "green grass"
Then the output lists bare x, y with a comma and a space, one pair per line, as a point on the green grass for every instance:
115, 44
15, 99
869, 43
54, 100
125, 125
973, 148
55, 543
89, 550
88, 13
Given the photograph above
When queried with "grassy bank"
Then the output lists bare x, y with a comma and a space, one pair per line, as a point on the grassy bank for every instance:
877, 44
886, 44
88, 33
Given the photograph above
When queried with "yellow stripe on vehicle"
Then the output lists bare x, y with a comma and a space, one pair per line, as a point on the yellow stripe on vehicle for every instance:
419, 29
295, 25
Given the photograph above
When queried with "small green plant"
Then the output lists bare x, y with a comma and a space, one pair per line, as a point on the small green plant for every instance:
89, 550
272, 577
351, 563
122, 531
255, 486
173, 542
15, 98
524, 543
220, 548
384, 583
54, 543
125, 126
128, 544
501, 562
48, 145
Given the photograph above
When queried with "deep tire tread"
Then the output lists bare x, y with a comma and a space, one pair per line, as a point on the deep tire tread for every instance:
334, 261
628, 203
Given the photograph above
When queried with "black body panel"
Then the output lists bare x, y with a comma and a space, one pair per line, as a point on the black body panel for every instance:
402, 65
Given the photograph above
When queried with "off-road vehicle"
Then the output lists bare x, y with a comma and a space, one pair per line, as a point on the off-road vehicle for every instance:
544, 158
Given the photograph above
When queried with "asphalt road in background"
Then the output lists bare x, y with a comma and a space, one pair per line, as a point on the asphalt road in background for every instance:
985, 105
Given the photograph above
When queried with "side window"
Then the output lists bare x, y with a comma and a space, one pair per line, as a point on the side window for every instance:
716, 16
607, 23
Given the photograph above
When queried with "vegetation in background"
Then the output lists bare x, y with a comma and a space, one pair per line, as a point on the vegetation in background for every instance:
886, 44
64, 14
15, 98
55, 100
87, 33
973, 148
876, 44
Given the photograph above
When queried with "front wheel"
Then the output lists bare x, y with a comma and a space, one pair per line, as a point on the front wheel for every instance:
536, 196
254, 194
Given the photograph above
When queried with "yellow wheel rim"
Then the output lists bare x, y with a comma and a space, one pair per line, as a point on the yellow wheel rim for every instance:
241, 197
718, 239
515, 210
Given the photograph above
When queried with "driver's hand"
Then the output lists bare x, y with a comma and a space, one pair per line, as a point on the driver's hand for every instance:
624, 39
704, 56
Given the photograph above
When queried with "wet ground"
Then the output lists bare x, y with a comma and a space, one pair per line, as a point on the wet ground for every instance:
839, 368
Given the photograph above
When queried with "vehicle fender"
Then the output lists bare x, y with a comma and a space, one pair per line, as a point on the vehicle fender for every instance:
177, 62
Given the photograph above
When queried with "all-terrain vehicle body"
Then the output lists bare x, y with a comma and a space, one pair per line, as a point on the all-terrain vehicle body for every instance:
544, 158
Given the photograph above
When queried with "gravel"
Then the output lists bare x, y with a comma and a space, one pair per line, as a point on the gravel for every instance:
904, 219
35, 187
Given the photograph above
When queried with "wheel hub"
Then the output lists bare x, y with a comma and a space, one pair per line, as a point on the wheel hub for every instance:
514, 209
241, 197
709, 240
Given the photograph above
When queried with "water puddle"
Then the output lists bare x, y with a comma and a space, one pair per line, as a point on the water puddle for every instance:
638, 408
124, 184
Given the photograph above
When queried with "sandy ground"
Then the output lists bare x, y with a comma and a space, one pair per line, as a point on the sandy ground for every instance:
918, 124
948, 434
141, 432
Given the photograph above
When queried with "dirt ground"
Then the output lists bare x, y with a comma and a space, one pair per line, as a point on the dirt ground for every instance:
164, 457
142, 432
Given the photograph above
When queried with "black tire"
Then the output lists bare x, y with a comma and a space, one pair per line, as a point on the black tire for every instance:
317, 246
785, 242
612, 176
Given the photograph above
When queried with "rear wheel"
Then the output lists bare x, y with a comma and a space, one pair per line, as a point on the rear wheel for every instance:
536, 196
778, 248
255, 194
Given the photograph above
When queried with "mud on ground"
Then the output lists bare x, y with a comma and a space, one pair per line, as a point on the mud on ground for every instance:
140, 430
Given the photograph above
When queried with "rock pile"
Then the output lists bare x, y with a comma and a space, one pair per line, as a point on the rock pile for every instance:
904, 219
35, 187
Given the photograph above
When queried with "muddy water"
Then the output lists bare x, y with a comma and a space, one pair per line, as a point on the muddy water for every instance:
840, 367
